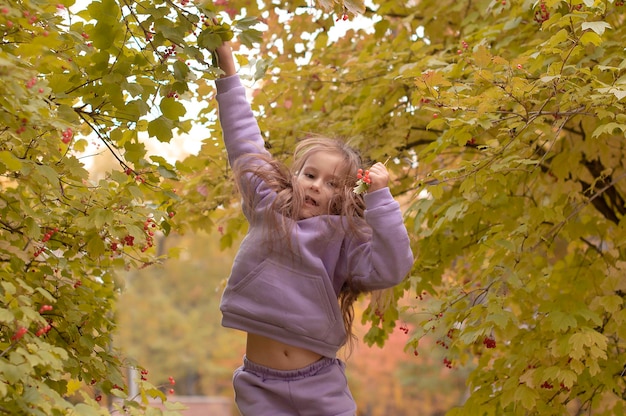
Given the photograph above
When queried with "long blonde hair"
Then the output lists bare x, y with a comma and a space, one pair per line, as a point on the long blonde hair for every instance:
289, 200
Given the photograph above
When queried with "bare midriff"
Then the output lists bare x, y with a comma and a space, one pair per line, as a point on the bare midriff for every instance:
274, 354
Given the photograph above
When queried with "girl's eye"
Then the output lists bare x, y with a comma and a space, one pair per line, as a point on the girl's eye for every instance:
332, 184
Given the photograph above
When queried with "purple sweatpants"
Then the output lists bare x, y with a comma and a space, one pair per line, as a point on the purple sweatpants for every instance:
321, 389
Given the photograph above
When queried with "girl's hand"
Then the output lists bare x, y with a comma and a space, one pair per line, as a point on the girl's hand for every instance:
225, 60
379, 177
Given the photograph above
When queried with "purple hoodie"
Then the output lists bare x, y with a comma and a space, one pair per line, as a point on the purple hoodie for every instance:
288, 290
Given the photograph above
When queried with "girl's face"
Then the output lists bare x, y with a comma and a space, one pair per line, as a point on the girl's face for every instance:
319, 180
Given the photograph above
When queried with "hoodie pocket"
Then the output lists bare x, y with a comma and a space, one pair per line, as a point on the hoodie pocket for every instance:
275, 294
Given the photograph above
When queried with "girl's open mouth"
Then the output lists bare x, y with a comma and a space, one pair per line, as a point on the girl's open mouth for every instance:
310, 201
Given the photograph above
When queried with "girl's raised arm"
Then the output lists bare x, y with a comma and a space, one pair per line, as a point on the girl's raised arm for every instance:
239, 126
225, 60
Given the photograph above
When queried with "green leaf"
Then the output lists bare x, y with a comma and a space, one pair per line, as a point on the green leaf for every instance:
250, 37
6, 316
102, 217
46, 294
561, 321
32, 228
171, 109
95, 245
49, 173
134, 152
9, 160
161, 128
209, 40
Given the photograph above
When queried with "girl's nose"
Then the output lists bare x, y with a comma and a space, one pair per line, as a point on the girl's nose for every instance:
315, 185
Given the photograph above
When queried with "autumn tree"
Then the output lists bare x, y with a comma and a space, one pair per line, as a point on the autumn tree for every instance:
79, 79
503, 122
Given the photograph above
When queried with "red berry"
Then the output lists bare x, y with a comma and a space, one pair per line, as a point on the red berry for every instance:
19, 334
489, 342
45, 308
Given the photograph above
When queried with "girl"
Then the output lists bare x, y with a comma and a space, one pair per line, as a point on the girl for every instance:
312, 247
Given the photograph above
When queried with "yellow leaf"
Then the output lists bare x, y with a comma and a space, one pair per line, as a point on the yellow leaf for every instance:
590, 37
526, 396
73, 386
482, 57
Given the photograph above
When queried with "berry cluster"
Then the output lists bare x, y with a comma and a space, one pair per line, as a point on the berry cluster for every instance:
31, 83
542, 14
144, 374
547, 385
43, 330
31, 18
404, 328
171, 51
129, 240
138, 178
19, 334
148, 225
67, 135
343, 17
21, 129
47, 236
442, 343
489, 342
45, 308
363, 181
464, 46
447, 363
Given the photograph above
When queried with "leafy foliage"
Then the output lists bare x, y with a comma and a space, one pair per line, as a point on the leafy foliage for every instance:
76, 81
506, 122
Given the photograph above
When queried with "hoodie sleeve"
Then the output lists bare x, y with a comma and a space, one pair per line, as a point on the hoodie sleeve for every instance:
385, 258
242, 135
242, 139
